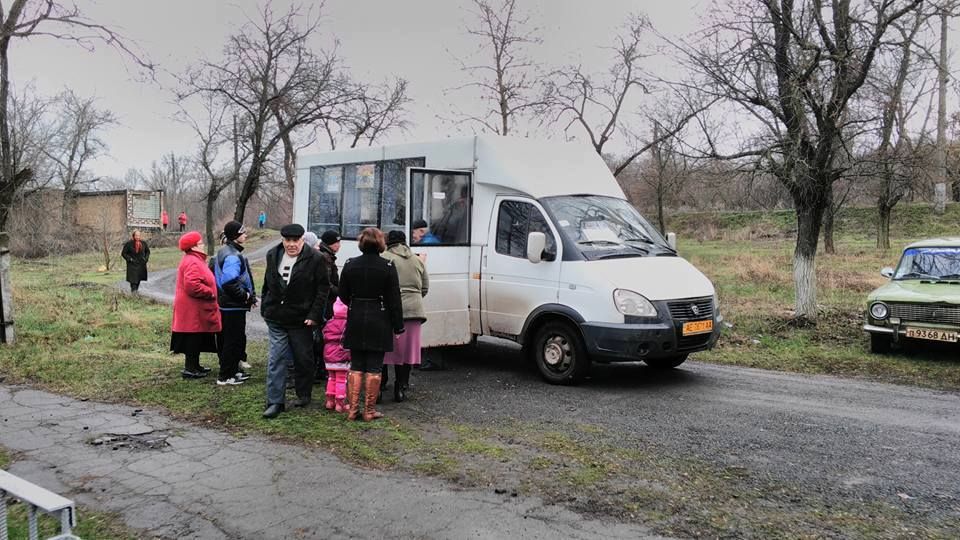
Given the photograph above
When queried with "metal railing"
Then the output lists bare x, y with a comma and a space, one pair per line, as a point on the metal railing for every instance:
37, 499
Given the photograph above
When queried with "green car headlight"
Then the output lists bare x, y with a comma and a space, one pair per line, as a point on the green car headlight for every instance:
879, 311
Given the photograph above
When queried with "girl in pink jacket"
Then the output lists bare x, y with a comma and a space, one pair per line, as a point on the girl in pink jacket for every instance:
336, 358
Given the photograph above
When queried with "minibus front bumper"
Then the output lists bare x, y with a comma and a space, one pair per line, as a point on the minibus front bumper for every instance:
624, 342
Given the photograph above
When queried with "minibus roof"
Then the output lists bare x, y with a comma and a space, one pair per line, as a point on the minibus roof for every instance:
538, 168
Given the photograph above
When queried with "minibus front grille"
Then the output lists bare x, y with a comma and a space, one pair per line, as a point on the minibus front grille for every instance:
691, 309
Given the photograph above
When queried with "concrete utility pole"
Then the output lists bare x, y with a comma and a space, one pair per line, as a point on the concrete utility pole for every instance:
6, 292
940, 158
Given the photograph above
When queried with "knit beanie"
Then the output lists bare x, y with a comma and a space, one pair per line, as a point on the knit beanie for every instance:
189, 240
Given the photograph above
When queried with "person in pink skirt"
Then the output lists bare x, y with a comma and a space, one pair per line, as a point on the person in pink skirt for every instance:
336, 358
414, 284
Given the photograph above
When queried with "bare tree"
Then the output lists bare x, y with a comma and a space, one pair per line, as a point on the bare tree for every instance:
507, 80
599, 105
216, 129
35, 18
897, 86
945, 9
77, 142
172, 176
268, 66
794, 67
32, 131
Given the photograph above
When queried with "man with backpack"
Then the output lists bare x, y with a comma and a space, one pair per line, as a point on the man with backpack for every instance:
236, 295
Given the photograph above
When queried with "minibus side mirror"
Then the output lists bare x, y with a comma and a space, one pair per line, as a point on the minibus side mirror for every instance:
536, 242
672, 240
887, 272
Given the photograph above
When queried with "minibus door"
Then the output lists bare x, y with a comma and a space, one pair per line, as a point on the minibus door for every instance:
512, 285
442, 200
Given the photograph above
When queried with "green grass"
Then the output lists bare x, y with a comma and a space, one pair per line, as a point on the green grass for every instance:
79, 336
756, 292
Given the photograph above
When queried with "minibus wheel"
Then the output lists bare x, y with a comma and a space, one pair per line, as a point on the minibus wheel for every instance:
669, 362
560, 354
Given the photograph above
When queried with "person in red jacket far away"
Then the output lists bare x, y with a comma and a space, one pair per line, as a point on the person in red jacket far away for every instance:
182, 220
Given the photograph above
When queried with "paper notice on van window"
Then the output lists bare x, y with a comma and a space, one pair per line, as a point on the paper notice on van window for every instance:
332, 182
365, 177
439, 195
598, 231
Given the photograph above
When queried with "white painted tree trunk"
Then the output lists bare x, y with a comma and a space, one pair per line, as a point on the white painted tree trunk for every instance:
805, 280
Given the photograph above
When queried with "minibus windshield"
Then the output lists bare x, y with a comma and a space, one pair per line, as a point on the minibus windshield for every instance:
605, 227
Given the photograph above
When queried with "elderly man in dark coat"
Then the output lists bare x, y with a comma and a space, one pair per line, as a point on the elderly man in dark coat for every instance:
293, 299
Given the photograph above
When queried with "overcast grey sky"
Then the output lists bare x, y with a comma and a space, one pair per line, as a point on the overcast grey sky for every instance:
415, 39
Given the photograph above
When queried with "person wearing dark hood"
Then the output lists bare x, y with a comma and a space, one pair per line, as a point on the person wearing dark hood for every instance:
196, 319
293, 299
414, 284
136, 252
370, 288
235, 295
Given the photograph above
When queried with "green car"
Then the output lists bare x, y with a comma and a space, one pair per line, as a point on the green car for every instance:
922, 300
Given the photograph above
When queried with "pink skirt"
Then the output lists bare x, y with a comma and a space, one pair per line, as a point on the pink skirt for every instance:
406, 346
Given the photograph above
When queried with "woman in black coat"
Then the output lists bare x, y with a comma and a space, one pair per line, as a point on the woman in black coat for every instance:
370, 287
136, 252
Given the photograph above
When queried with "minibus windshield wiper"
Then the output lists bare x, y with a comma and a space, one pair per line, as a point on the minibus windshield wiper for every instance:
918, 275
598, 242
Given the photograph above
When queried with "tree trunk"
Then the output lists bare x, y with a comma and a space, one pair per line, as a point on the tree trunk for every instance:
940, 155
809, 220
210, 202
883, 226
828, 220
7, 182
248, 190
660, 217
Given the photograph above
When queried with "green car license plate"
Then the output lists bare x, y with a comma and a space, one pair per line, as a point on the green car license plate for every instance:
932, 334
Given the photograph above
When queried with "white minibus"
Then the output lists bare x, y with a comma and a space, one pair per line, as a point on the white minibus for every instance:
526, 240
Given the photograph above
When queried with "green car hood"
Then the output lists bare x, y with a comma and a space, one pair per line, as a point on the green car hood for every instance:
914, 291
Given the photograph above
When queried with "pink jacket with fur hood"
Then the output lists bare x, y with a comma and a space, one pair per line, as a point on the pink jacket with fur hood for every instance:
334, 355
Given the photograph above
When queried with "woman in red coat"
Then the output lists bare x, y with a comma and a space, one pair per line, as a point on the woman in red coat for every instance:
196, 317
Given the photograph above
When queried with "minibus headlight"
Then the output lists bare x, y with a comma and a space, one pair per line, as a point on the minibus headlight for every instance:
634, 304
879, 311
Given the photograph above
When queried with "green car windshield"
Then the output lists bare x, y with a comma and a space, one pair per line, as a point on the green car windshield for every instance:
930, 263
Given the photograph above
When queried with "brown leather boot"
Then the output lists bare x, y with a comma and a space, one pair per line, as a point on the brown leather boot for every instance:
354, 384
372, 388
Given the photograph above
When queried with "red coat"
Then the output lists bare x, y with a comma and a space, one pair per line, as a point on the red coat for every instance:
195, 300
182, 218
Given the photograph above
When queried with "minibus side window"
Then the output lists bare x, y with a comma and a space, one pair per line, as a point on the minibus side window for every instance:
442, 202
515, 221
324, 199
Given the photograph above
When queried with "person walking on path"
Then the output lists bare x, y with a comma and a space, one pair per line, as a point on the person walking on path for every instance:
262, 220
164, 219
337, 358
235, 295
414, 284
182, 220
370, 287
136, 253
293, 298
196, 318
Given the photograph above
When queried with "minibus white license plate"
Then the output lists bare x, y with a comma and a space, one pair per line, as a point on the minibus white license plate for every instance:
931, 334
697, 327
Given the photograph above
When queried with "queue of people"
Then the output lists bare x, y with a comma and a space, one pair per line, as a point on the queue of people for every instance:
350, 326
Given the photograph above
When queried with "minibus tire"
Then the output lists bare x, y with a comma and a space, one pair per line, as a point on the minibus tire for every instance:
669, 362
560, 354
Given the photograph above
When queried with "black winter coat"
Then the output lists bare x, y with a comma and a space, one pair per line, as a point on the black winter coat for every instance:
305, 297
136, 262
369, 285
333, 275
